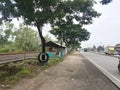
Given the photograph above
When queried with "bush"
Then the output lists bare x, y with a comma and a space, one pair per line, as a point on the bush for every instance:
7, 48
3, 50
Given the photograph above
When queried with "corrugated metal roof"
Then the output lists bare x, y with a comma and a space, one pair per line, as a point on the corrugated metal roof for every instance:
52, 44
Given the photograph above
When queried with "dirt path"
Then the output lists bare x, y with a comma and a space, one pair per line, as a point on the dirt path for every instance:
74, 73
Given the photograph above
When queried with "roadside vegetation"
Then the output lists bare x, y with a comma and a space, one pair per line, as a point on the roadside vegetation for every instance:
11, 73
19, 39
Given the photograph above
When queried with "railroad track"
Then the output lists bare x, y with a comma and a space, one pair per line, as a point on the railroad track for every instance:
10, 57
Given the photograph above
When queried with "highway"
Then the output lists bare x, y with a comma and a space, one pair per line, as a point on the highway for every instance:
107, 64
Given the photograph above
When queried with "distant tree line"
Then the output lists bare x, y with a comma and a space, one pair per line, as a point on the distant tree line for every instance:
94, 48
20, 39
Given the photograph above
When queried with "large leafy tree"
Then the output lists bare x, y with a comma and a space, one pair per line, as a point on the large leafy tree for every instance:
71, 34
26, 39
5, 33
55, 12
81, 12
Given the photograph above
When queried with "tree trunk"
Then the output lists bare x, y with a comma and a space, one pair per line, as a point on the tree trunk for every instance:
39, 27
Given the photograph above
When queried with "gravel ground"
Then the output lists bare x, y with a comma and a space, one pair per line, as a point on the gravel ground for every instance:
74, 73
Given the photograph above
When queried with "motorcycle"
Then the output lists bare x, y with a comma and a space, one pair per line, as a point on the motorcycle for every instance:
117, 49
119, 65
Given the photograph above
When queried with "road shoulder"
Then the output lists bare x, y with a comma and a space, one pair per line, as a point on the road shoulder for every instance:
74, 73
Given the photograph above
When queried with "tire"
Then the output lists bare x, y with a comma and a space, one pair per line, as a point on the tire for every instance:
40, 57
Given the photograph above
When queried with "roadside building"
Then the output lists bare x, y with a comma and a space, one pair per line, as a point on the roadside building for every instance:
54, 49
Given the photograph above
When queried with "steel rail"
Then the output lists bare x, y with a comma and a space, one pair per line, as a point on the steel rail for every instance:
11, 57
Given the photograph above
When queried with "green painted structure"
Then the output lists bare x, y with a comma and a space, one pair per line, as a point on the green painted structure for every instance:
54, 49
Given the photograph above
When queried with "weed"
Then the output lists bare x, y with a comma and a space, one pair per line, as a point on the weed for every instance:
10, 73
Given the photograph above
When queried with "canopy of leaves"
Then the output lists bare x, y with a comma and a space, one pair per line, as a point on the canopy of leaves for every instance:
52, 11
105, 1
19, 39
5, 33
71, 34
26, 39
29, 10
100, 48
61, 13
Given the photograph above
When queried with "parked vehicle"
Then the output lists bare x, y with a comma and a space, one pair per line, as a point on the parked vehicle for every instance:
117, 49
109, 50
85, 50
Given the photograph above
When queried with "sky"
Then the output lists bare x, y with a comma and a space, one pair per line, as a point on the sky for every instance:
105, 30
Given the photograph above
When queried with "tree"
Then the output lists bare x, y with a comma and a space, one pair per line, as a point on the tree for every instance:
26, 39
100, 48
48, 38
5, 33
71, 34
94, 48
56, 12
105, 1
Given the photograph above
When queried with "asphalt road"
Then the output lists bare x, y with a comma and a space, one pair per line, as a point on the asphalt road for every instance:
107, 64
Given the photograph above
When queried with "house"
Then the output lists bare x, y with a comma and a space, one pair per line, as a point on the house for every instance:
54, 49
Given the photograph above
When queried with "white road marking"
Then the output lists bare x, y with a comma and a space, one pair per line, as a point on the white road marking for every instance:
110, 76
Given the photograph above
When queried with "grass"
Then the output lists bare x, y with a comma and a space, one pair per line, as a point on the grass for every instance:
51, 62
71, 52
12, 72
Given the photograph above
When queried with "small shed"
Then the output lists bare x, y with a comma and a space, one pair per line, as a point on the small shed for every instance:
54, 49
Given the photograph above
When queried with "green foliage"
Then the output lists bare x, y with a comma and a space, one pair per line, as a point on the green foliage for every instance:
10, 73
100, 48
80, 11
105, 1
52, 11
52, 61
5, 33
48, 38
18, 40
25, 71
6, 48
56, 12
10, 48
72, 34
26, 39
